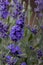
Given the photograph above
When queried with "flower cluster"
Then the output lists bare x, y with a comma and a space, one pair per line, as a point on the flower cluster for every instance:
17, 10
4, 4
14, 49
40, 53
16, 32
3, 30
12, 59
20, 21
39, 8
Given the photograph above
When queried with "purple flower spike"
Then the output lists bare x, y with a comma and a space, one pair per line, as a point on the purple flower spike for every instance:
14, 49
10, 60
16, 33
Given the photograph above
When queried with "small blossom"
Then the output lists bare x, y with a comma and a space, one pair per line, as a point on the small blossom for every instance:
14, 49
15, 14
20, 23
18, 10
33, 30
39, 8
19, 6
31, 48
10, 60
4, 8
3, 30
16, 33
39, 53
4, 14
23, 63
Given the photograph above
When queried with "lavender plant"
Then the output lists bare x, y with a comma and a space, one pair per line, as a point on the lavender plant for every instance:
21, 43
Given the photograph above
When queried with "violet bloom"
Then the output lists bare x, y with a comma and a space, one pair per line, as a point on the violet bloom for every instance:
39, 8
19, 8
4, 14
23, 63
16, 33
34, 31
21, 20
14, 49
20, 23
11, 47
3, 30
15, 14
10, 60
4, 8
39, 53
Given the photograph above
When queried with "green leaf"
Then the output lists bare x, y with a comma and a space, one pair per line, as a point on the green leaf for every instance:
30, 37
0, 40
